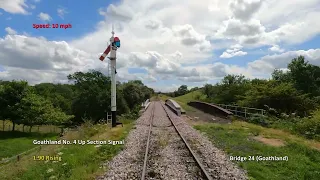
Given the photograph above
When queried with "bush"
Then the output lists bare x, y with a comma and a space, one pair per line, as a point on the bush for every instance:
260, 120
310, 127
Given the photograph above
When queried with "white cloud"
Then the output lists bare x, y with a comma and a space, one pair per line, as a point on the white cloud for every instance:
36, 1
235, 28
44, 17
33, 76
1, 13
248, 26
276, 48
285, 11
32, 6
233, 51
61, 12
166, 88
36, 55
10, 31
14, 6
194, 79
268, 63
124, 75
244, 9
172, 40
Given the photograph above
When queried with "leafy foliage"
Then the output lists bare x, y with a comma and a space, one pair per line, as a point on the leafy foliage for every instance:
259, 119
11, 94
20, 104
310, 127
92, 95
65, 104
282, 97
289, 95
182, 90
59, 94
294, 91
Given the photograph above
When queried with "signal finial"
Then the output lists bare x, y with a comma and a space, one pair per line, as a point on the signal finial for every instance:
112, 30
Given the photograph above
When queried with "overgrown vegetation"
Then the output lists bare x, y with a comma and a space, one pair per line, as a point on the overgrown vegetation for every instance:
291, 98
286, 92
182, 90
88, 97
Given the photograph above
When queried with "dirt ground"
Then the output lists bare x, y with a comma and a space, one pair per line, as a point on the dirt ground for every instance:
269, 141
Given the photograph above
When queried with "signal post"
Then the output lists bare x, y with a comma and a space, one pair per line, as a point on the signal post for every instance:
112, 48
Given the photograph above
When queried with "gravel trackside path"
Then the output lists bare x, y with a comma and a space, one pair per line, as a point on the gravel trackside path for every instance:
168, 157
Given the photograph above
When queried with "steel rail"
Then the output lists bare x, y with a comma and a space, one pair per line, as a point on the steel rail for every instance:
205, 173
198, 162
147, 147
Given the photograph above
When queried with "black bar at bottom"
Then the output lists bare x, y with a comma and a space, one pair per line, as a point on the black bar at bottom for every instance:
114, 118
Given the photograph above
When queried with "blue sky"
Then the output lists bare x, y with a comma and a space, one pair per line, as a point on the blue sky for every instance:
83, 16
164, 50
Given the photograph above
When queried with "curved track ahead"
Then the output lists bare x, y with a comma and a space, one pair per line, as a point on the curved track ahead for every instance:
204, 173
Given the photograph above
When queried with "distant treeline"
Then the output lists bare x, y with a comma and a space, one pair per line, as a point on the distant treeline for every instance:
87, 97
182, 90
291, 98
294, 91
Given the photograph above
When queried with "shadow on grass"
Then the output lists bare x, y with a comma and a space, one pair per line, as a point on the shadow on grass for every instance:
19, 134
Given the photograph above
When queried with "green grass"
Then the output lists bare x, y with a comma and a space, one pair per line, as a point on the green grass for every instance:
13, 143
163, 97
192, 96
183, 100
78, 161
236, 140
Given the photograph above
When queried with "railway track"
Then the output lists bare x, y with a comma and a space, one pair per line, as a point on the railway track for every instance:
164, 136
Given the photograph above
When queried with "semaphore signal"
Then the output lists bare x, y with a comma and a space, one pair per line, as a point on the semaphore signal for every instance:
112, 49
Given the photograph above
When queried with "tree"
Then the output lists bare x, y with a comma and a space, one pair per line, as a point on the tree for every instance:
282, 97
61, 95
207, 90
234, 80
182, 90
133, 94
11, 94
231, 89
306, 77
92, 96
36, 110
281, 76
193, 89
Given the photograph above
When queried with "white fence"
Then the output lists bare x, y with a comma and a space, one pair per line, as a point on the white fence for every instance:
242, 111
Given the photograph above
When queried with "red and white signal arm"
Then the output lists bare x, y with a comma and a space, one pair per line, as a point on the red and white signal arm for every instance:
116, 42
